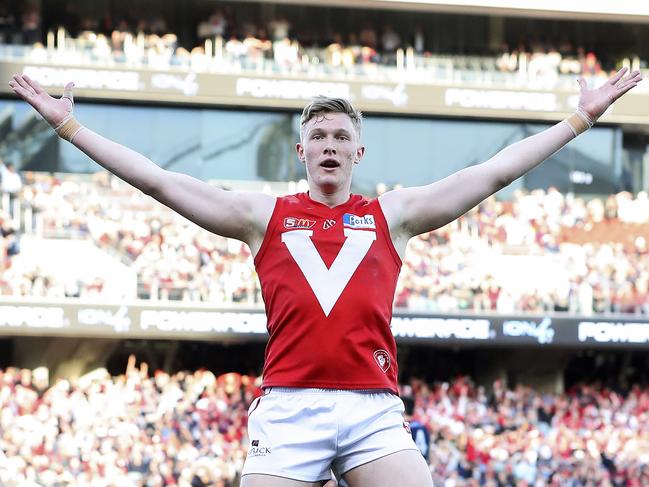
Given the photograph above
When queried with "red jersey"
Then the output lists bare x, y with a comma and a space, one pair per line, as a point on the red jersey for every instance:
328, 277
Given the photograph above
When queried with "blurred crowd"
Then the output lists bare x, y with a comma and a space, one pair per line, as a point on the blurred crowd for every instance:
225, 39
188, 429
520, 437
542, 251
185, 430
174, 259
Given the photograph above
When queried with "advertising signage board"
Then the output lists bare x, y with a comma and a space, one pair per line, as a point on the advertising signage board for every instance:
190, 321
275, 91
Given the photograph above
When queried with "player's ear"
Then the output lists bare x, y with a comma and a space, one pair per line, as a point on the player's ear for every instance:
300, 152
360, 152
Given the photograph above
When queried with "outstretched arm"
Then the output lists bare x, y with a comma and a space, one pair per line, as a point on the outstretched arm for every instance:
416, 210
239, 215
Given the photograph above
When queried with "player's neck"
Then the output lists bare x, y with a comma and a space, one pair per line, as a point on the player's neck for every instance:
329, 199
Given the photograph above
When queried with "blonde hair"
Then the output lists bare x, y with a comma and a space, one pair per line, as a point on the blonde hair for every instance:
321, 105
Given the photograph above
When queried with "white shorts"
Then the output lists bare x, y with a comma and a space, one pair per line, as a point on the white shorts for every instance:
303, 434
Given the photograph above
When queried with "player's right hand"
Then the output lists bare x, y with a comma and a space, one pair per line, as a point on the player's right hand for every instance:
53, 110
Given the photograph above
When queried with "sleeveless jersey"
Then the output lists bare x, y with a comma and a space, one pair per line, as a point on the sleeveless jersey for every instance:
328, 277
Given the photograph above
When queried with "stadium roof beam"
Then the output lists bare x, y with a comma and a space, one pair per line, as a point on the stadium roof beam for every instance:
600, 10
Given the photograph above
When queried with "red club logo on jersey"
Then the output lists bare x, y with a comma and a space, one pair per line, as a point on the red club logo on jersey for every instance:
294, 223
382, 359
328, 224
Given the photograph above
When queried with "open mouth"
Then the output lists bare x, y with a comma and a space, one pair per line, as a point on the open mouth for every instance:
329, 163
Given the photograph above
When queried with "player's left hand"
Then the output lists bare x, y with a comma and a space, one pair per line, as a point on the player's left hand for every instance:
595, 102
331, 483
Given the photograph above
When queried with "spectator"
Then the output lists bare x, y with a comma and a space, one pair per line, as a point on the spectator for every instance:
279, 29
10, 184
30, 27
390, 41
419, 40
215, 26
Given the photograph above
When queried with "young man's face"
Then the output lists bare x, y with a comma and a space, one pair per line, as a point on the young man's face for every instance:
330, 148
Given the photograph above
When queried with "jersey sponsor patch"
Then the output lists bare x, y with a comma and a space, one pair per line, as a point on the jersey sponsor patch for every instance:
294, 223
382, 359
353, 221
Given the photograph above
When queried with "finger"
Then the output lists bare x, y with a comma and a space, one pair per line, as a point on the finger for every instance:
19, 90
618, 76
625, 83
35, 86
636, 75
582, 82
633, 77
67, 92
625, 89
21, 81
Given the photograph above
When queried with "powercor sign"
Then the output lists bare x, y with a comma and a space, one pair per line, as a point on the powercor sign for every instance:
289, 92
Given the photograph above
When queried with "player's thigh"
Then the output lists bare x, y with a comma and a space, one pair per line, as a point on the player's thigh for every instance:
405, 468
261, 480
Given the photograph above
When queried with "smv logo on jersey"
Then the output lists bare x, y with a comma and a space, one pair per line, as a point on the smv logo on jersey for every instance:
328, 284
291, 222
353, 221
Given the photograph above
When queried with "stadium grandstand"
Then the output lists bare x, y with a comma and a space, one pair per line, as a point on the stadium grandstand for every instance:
132, 341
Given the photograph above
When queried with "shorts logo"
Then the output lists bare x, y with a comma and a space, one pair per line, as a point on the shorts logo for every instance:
353, 221
406, 426
328, 224
294, 223
257, 451
382, 359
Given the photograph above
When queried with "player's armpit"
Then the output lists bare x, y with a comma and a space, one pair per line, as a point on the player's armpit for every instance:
234, 214
420, 209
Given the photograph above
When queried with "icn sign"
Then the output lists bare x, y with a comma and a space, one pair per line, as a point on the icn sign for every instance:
581, 177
